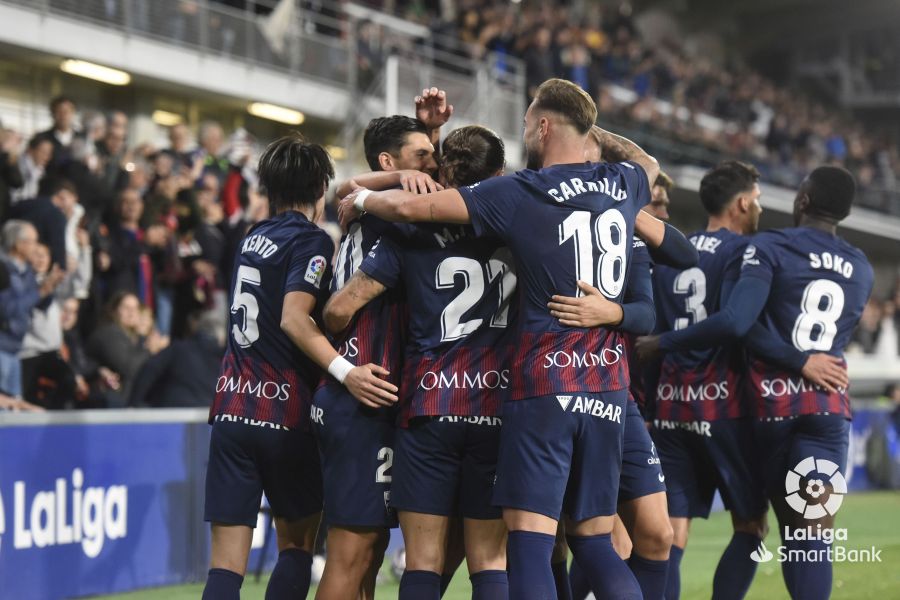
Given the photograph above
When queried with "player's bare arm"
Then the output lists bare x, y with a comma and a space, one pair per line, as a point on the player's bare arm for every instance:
343, 306
400, 206
433, 110
408, 179
362, 381
615, 148
592, 309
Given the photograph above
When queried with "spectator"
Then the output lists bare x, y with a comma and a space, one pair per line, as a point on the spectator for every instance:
10, 172
117, 344
32, 164
49, 213
122, 260
92, 382
63, 132
866, 334
180, 146
16, 301
184, 374
211, 157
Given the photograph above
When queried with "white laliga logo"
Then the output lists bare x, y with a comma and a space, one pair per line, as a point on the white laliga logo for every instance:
815, 488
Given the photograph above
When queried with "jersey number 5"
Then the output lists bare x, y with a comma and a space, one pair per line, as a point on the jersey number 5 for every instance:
612, 243
248, 331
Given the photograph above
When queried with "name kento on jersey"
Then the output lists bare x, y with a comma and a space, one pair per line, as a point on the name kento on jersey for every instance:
565, 191
831, 262
259, 244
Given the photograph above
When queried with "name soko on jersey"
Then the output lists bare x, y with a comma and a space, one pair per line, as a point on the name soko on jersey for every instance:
785, 387
270, 390
68, 514
488, 380
690, 393
564, 359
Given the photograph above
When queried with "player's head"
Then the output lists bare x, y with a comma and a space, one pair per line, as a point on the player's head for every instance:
294, 173
471, 154
561, 112
731, 191
827, 193
398, 142
659, 197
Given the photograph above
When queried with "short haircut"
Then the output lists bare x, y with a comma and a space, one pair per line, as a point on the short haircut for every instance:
830, 191
388, 134
472, 154
50, 186
294, 172
58, 100
12, 232
664, 181
37, 140
567, 100
728, 179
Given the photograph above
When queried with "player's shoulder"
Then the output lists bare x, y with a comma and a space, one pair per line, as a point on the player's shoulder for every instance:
772, 238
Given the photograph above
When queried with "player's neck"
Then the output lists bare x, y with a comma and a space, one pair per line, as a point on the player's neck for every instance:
818, 223
718, 222
307, 211
566, 153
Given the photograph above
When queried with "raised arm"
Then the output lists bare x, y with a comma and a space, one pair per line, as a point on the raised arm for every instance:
432, 109
401, 206
615, 148
343, 306
409, 180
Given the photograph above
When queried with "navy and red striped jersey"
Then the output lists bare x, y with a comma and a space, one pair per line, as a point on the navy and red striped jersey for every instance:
640, 255
460, 289
265, 376
563, 223
699, 385
819, 286
377, 333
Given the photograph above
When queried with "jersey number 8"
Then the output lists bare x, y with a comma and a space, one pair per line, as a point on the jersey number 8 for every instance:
821, 307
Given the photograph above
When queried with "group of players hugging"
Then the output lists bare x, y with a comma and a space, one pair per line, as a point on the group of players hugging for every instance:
487, 379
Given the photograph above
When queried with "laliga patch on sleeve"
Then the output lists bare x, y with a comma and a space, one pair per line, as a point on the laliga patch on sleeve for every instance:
315, 271
750, 256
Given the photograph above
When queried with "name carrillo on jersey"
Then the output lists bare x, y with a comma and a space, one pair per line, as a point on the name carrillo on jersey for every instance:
69, 513
576, 186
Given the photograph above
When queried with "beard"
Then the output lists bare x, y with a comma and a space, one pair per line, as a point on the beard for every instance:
533, 159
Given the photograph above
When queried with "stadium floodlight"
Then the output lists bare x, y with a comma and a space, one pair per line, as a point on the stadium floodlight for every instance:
82, 68
166, 118
273, 112
337, 152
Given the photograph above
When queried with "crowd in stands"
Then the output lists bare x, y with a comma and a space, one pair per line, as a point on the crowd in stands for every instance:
115, 259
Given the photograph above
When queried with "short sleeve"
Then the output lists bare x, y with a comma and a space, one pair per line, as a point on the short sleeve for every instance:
384, 263
759, 258
308, 264
492, 206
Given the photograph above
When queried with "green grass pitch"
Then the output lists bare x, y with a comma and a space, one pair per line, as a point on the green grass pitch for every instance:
870, 518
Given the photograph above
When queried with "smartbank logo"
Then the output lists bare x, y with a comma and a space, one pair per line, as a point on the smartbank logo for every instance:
562, 359
591, 406
96, 514
690, 393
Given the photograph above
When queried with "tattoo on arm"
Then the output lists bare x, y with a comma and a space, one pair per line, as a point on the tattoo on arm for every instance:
615, 148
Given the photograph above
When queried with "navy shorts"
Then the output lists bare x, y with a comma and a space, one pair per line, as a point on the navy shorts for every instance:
797, 450
247, 460
641, 471
562, 454
701, 456
447, 466
356, 446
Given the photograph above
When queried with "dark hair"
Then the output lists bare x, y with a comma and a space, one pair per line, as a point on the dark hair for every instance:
567, 100
294, 172
37, 140
471, 154
57, 100
388, 134
719, 186
112, 305
830, 191
50, 186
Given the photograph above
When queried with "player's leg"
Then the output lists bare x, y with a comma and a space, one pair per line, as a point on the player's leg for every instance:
536, 443
356, 450
233, 493
424, 492
455, 555
559, 564
732, 447
592, 495
367, 590
292, 480
485, 541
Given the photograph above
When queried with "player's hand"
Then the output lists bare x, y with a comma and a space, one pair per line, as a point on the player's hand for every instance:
591, 310
347, 213
367, 386
647, 348
432, 108
826, 371
418, 182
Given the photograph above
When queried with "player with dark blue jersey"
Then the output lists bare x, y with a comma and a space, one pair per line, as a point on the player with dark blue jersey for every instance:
702, 430
807, 288
455, 376
260, 438
564, 220
356, 440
